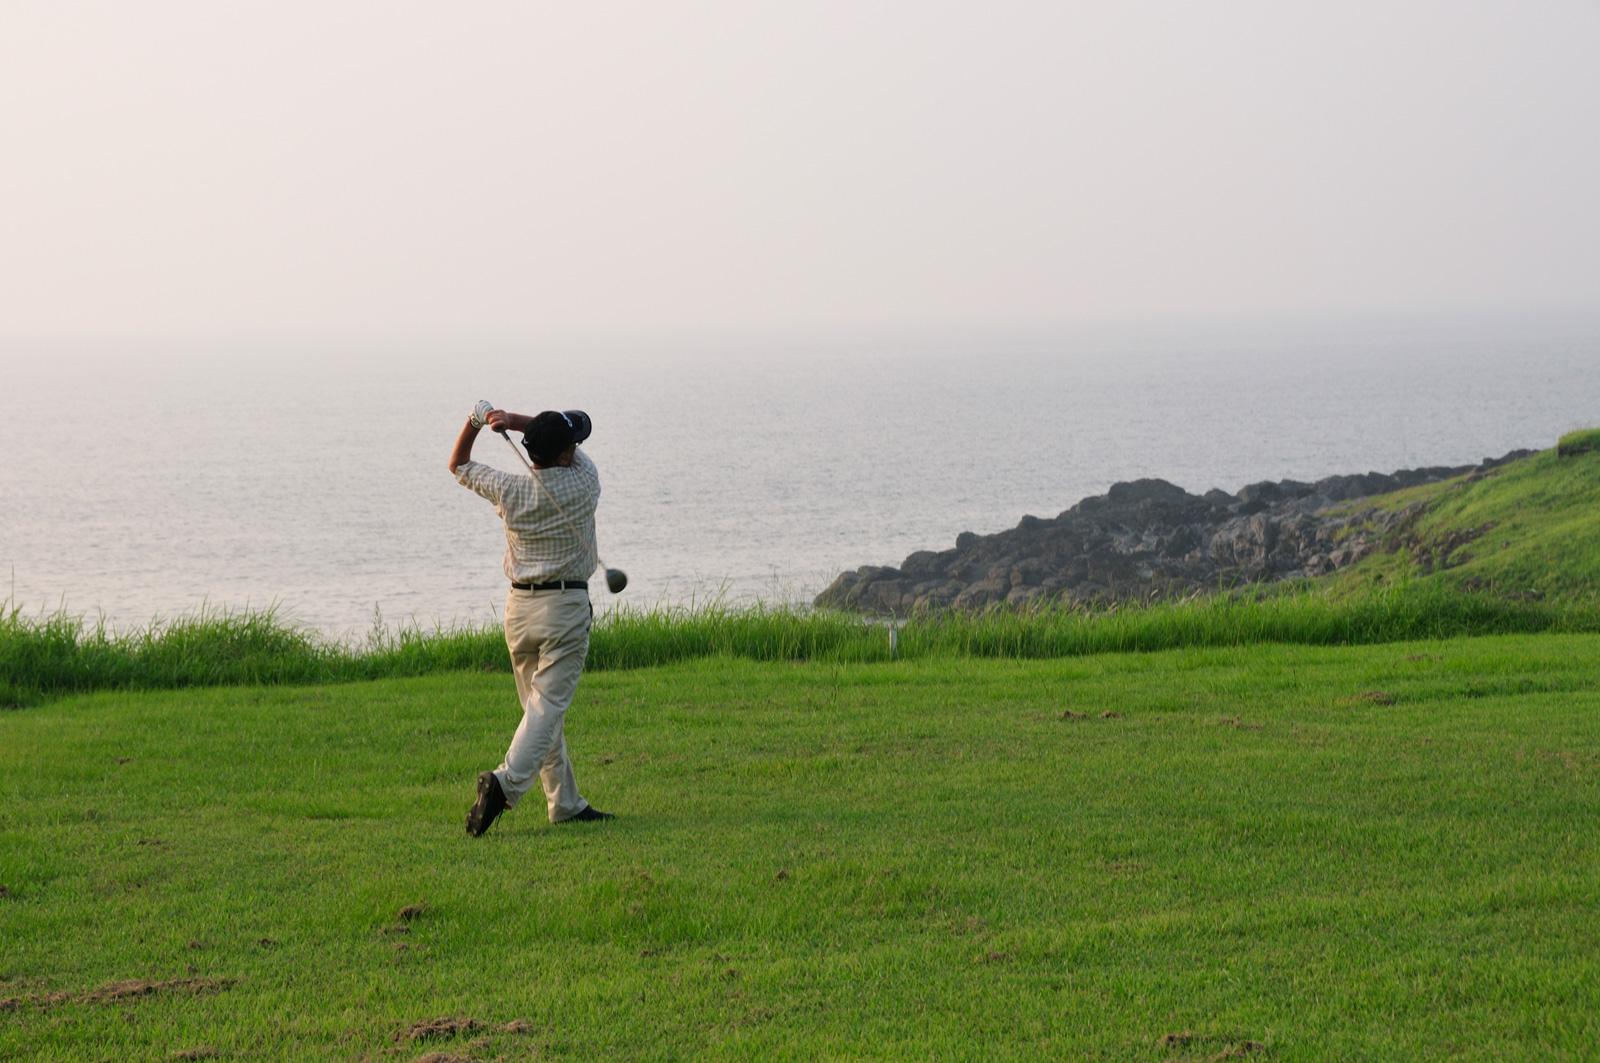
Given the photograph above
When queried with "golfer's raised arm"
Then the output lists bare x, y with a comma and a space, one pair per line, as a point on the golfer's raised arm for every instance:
463, 450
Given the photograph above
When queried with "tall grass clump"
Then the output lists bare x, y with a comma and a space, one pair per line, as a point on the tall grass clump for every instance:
1402, 613
638, 639
411, 651
58, 654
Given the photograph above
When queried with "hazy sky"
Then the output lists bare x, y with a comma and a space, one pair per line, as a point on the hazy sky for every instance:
403, 169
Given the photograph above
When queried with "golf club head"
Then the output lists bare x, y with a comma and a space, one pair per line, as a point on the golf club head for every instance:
616, 579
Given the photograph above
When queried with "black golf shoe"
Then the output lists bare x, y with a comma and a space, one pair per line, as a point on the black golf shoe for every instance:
491, 802
590, 814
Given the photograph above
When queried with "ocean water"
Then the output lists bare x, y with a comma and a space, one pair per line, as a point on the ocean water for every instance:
144, 481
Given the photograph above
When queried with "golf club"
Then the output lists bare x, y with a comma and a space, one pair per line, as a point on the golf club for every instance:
616, 579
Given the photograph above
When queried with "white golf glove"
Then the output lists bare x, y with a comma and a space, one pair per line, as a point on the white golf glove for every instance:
480, 413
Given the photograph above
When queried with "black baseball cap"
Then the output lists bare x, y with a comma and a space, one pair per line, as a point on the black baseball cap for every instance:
553, 431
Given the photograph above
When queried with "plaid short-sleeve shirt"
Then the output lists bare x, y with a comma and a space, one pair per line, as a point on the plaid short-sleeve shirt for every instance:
545, 540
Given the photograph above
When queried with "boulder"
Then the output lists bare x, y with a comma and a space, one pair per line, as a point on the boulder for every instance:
982, 594
1133, 491
883, 596
1028, 572
1260, 495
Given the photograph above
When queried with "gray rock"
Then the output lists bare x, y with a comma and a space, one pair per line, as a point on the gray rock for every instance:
1260, 494
884, 596
1024, 595
981, 594
1029, 572
1147, 539
1139, 490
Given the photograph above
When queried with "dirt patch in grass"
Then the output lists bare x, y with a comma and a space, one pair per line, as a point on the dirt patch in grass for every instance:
1578, 764
449, 1027
113, 992
411, 912
437, 1029
1238, 724
1238, 1051
1216, 1048
1371, 697
1070, 714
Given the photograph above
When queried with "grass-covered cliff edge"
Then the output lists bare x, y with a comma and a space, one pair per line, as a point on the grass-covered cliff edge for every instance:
1512, 527
1528, 530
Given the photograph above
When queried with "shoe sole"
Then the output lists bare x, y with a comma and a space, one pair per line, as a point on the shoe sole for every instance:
475, 825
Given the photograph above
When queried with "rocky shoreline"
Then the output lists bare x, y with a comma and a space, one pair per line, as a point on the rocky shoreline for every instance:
1149, 539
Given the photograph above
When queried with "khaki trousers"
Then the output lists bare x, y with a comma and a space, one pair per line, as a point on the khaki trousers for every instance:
547, 633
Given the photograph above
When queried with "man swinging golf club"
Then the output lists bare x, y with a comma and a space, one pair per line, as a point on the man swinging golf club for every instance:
550, 552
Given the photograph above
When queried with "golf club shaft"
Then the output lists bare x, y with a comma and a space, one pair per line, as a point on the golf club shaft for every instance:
503, 434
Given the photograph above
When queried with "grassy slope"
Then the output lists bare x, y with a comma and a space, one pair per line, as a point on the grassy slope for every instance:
914, 858
1539, 533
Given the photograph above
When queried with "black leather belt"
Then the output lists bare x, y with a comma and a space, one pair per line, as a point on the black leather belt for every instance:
558, 585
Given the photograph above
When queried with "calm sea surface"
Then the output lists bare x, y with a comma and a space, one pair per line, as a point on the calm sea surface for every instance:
141, 483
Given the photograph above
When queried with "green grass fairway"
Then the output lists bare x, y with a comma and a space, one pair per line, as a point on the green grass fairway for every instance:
1273, 853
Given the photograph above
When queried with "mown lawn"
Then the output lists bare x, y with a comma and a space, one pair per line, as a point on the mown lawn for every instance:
1268, 852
